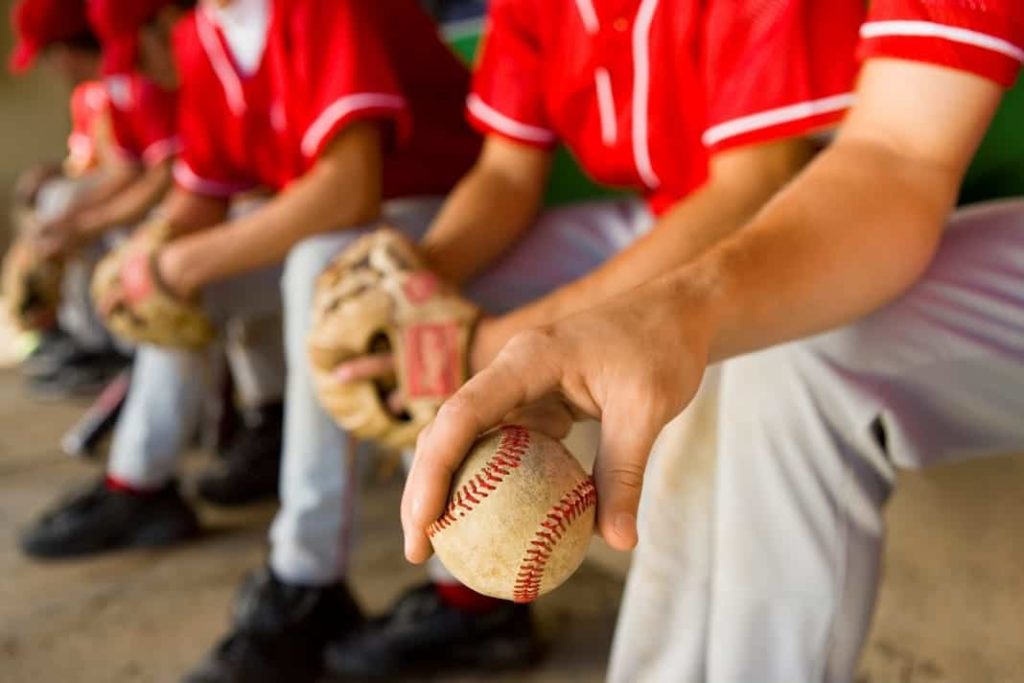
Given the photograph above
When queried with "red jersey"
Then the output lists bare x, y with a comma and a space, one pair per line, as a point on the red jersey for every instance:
144, 118
641, 91
324, 65
984, 38
88, 107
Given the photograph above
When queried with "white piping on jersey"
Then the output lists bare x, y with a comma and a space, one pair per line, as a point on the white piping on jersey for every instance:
774, 117
188, 179
504, 124
220, 62
119, 91
339, 109
160, 150
606, 106
588, 15
929, 29
641, 92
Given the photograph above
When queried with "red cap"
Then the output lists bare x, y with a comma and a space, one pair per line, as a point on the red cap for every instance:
118, 22
39, 23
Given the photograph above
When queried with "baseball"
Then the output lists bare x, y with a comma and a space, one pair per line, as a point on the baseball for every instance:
519, 518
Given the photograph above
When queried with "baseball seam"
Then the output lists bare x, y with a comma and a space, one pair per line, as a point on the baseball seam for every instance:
531, 569
509, 455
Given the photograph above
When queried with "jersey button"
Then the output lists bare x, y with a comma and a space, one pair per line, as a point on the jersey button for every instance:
621, 24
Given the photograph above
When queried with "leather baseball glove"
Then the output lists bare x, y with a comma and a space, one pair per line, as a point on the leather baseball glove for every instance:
31, 285
376, 296
136, 306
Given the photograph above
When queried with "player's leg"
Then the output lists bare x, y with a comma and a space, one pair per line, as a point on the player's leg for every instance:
302, 600
249, 465
661, 633
564, 244
75, 334
138, 501
810, 434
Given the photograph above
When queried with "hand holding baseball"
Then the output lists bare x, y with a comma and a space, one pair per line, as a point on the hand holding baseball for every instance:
633, 363
519, 517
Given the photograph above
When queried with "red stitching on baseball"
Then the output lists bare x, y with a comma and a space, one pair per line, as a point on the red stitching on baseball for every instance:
531, 569
513, 443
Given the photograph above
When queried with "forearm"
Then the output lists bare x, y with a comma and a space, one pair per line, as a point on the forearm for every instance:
129, 206
856, 231
111, 181
485, 214
321, 201
740, 185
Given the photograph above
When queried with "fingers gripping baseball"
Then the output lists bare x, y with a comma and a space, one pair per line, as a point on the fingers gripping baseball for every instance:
608, 363
517, 377
619, 474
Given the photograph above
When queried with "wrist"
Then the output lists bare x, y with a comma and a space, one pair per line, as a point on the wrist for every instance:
696, 298
488, 338
172, 270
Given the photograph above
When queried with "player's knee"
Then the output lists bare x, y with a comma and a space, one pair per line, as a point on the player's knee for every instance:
767, 386
304, 263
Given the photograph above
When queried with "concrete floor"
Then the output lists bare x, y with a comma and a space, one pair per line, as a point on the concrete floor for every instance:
951, 610
147, 616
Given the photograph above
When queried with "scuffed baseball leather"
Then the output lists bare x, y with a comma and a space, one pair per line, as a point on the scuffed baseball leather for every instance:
380, 289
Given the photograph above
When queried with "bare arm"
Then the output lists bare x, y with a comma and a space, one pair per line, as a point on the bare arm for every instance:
186, 212
112, 180
489, 209
342, 190
861, 224
850, 234
741, 181
128, 206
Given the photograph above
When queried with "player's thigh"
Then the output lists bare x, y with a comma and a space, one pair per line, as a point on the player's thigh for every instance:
563, 245
309, 257
945, 361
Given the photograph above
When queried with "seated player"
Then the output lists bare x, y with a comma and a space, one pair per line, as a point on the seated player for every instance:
878, 333
704, 111
137, 502
350, 111
75, 355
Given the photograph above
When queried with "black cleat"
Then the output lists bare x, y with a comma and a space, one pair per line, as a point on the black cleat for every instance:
279, 633
100, 520
55, 348
250, 467
82, 374
422, 635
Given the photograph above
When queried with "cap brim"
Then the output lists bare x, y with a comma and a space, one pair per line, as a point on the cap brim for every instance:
120, 55
23, 57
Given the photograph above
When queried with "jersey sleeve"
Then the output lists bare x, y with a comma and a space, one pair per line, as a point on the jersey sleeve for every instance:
200, 167
776, 68
983, 38
143, 118
157, 124
338, 50
507, 96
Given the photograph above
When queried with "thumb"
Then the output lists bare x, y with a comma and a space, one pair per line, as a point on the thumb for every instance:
619, 473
